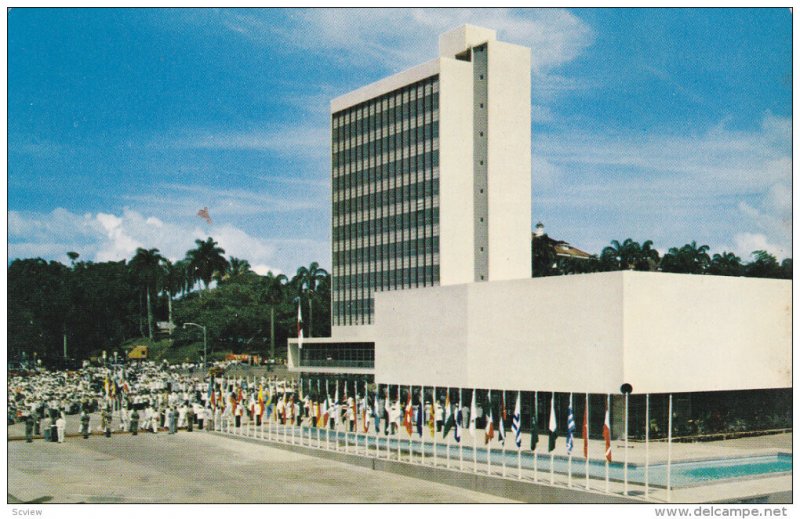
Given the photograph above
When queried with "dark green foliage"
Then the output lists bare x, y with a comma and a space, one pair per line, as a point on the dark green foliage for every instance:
99, 306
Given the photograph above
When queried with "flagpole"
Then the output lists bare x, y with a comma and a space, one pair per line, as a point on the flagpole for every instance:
474, 434
569, 450
346, 420
460, 446
534, 431
433, 420
446, 442
421, 415
608, 410
586, 457
647, 446
552, 469
503, 425
625, 486
325, 423
398, 425
489, 445
411, 436
317, 412
669, 451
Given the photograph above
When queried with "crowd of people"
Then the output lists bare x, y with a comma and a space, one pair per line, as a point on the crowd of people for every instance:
152, 397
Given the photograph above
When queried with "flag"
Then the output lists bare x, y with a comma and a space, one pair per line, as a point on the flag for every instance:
375, 413
449, 418
489, 430
586, 430
607, 435
324, 411
570, 428
365, 410
551, 445
299, 325
534, 425
203, 213
458, 423
261, 405
421, 413
502, 428
473, 410
407, 418
516, 421
213, 399
432, 417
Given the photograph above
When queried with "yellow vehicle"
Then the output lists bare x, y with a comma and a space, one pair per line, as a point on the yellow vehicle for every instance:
138, 353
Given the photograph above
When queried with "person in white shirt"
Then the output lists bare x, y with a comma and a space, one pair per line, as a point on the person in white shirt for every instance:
61, 425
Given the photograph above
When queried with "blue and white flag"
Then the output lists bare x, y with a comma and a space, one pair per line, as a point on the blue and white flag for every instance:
457, 425
570, 427
515, 423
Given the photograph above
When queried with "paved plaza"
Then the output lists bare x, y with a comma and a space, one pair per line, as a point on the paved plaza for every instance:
203, 468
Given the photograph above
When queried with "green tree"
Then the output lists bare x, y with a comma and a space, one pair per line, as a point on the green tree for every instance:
236, 267
689, 259
207, 260
725, 264
274, 294
306, 281
764, 265
146, 266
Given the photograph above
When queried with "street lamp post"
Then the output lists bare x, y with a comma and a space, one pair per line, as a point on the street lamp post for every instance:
205, 340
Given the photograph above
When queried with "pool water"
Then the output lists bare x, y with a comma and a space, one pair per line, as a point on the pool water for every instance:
683, 473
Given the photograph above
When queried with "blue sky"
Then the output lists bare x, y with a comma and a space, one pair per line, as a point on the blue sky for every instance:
672, 125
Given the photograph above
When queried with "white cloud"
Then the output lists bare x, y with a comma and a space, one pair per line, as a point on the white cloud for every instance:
110, 237
371, 36
746, 243
711, 186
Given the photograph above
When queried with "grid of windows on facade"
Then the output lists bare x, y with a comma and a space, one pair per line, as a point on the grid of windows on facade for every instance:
340, 355
385, 175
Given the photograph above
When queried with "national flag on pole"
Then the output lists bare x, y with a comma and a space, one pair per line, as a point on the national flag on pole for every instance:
432, 416
299, 325
364, 410
261, 405
457, 424
534, 428
449, 419
375, 413
586, 431
323, 415
489, 430
552, 427
516, 422
502, 428
570, 429
420, 413
607, 435
408, 416
473, 410
214, 400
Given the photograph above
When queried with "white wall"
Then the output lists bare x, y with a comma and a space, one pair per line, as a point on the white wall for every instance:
707, 333
509, 161
589, 333
456, 211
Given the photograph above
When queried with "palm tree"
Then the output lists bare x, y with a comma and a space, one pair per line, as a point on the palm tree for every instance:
306, 280
725, 264
236, 267
689, 259
172, 283
145, 265
275, 289
206, 260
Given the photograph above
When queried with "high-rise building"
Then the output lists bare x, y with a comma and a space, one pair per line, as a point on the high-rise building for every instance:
430, 172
